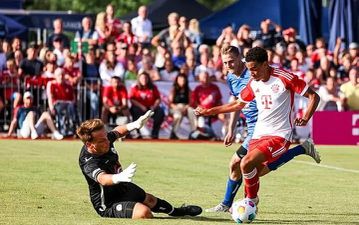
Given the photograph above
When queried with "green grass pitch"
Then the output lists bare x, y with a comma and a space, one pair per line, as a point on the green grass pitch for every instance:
41, 183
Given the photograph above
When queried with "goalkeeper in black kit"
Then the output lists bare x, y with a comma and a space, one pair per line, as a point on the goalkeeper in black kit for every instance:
111, 189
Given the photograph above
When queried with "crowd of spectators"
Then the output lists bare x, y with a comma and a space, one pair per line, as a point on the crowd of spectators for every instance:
53, 76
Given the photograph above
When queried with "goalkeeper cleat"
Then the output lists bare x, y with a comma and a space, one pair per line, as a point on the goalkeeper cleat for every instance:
187, 210
310, 150
219, 208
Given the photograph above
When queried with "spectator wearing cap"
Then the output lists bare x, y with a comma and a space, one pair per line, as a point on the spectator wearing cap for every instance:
58, 33
350, 89
109, 67
31, 66
290, 36
354, 53
87, 34
61, 100
31, 122
115, 101
142, 26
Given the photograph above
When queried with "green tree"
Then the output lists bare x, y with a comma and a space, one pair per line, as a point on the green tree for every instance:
85, 6
95, 6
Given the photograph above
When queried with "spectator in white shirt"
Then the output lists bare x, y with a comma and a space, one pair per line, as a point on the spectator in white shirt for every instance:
109, 68
142, 26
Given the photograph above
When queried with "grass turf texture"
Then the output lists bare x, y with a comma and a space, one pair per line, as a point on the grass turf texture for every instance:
41, 183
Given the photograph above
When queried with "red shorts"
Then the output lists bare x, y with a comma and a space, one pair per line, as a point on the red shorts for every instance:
272, 146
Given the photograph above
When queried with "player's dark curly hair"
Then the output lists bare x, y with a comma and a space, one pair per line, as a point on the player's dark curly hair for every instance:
87, 128
257, 54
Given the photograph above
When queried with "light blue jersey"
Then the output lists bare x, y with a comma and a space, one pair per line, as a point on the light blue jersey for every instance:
236, 85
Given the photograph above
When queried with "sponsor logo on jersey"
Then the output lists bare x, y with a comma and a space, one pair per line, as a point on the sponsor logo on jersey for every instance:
275, 88
87, 159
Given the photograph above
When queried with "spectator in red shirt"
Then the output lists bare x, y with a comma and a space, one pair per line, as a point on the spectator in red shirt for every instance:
61, 99
114, 100
207, 95
145, 96
127, 36
72, 74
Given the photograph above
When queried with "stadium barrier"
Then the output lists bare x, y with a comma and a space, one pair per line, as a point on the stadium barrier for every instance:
336, 128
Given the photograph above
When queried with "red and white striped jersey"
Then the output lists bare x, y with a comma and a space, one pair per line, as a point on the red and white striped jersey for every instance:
275, 99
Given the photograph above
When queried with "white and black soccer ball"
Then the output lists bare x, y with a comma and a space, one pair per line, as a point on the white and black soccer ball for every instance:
244, 211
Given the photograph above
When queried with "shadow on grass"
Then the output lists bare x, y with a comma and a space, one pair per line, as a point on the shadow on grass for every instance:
296, 221
196, 218
313, 213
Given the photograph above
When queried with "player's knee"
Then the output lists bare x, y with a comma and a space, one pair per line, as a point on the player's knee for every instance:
246, 164
141, 211
150, 200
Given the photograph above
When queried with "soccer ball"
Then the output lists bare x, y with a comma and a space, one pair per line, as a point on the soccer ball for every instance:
243, 211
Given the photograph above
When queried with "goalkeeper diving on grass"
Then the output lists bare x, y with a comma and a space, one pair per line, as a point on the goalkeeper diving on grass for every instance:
111, 189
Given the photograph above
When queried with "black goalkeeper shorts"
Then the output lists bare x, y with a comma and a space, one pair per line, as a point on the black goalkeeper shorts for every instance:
120, 199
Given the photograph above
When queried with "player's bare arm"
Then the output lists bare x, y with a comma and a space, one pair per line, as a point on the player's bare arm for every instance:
226, 108
312, 106
228, 139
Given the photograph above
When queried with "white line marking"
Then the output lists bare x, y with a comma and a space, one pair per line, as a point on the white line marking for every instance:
326, 166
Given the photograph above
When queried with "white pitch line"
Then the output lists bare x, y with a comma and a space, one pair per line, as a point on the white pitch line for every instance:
326, 166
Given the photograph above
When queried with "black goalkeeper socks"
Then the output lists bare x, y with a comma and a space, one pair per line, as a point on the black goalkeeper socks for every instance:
162, 206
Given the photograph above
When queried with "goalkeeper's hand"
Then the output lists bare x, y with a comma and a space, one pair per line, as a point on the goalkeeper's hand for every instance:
140, 122
126, 175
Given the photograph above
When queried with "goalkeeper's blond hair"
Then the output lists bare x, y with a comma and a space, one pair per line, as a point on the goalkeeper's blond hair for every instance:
87, 128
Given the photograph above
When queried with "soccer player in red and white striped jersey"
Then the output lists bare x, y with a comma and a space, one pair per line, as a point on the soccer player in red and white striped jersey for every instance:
274, 90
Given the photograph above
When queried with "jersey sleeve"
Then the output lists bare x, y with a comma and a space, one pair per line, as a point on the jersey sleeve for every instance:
92, 168
247, 94
112, 136
296, 84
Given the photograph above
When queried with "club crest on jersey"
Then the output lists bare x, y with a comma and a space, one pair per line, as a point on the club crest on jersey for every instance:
275, 88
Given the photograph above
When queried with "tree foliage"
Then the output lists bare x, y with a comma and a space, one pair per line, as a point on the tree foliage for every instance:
86, 6
95, 6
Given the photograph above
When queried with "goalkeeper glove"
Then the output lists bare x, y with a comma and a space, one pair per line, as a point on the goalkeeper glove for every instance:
126, 175
140, 122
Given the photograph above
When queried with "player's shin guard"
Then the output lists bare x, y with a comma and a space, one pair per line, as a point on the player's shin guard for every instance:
251, 182
231, 191
162, 206
286, 157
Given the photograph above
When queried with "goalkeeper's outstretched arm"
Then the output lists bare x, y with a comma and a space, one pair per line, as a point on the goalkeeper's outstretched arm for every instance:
138, 124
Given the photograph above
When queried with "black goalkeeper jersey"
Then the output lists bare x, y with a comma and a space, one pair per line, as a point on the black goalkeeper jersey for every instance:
92, 165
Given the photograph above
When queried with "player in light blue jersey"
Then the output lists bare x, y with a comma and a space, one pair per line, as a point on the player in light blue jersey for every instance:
237, 78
